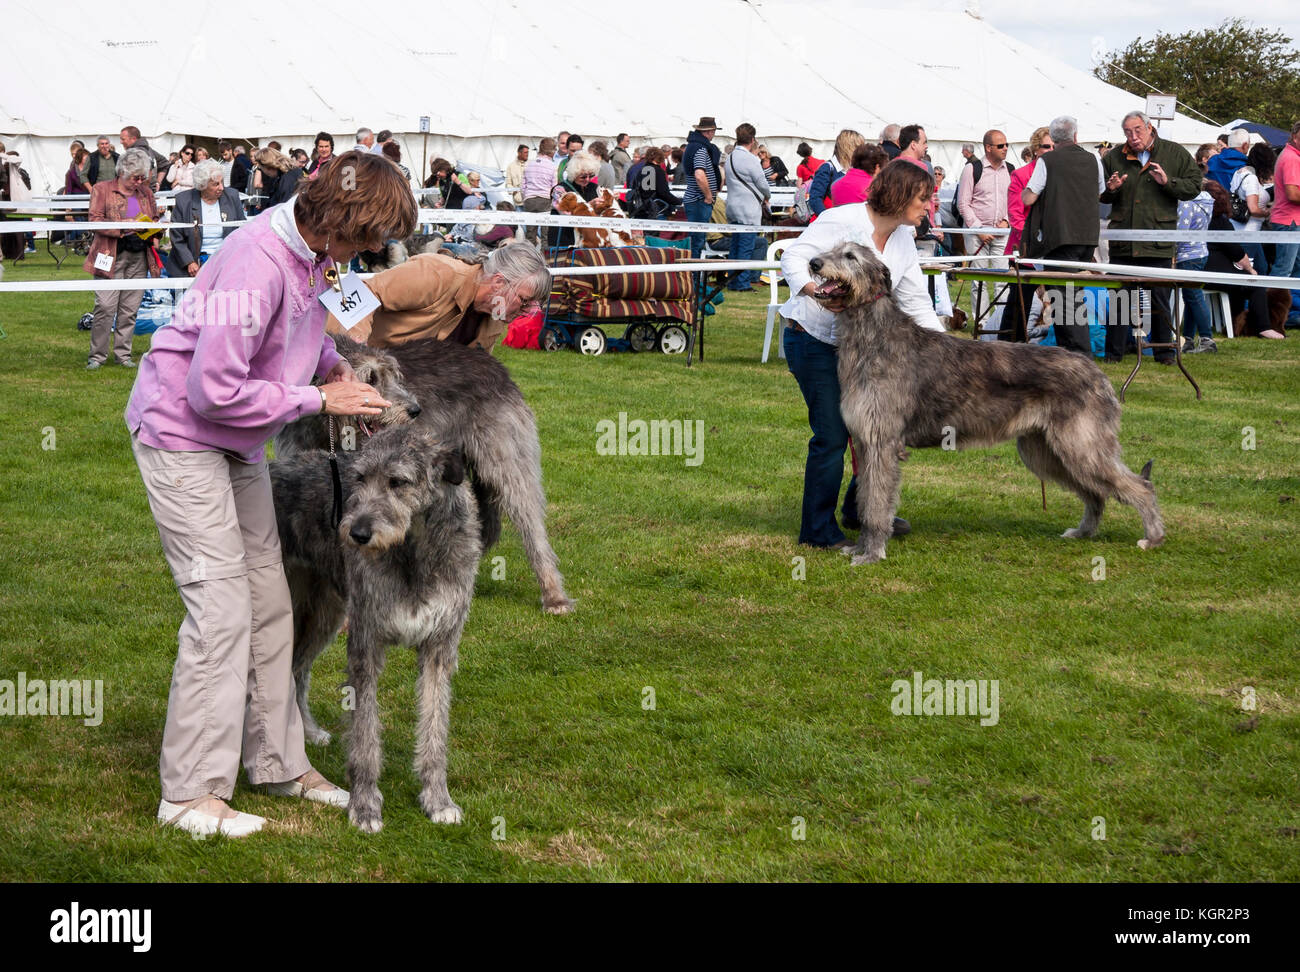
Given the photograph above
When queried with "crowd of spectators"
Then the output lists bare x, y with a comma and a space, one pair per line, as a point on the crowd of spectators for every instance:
1239, 183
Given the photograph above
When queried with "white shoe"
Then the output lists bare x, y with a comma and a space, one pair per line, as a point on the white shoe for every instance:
200, 824
312, 791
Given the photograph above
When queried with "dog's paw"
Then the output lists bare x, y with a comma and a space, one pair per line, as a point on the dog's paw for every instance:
866, 557
366, 811
1145, 544
1072, 534
450, 814
366, 821
564, 606
317, 736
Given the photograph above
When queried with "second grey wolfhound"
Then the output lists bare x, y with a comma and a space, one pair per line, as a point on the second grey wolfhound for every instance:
904, 386
401, 568
467, 399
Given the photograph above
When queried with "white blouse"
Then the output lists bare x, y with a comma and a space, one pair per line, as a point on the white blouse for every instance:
852, 223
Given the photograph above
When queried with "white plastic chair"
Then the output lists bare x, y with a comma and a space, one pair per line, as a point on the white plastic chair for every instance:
1220, 310
773, 280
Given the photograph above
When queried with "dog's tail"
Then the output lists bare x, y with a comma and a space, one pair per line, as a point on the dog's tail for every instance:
1146, 470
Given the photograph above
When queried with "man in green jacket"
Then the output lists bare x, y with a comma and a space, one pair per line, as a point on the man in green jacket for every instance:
1144, 182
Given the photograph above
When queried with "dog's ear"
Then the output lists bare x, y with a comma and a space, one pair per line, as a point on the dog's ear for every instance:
453, 467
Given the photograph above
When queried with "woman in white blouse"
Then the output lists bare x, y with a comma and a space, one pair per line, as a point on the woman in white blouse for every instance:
886, 222
181, 174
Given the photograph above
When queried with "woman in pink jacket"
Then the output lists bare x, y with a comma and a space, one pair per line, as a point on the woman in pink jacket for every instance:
1039, 143
235, 366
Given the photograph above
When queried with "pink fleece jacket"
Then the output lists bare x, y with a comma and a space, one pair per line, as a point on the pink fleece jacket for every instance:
235, 365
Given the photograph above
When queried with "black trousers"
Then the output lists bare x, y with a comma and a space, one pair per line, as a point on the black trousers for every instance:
1020, 298
1119, 329
1066, 303
1070, 316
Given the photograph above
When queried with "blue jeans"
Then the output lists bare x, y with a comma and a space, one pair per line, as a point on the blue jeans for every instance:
742, 248
1286, 259
813, 364
1196, 309
698, 212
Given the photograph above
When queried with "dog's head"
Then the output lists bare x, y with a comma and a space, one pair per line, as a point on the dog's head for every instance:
379, 370
850, 272
571, 204
404, 476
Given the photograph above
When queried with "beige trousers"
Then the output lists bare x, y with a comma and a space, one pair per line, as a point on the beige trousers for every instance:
232, 686
120, 304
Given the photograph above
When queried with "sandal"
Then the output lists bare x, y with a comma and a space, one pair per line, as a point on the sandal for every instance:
199, 823
309, 788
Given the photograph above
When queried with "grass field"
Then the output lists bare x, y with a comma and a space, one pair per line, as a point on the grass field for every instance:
771, 752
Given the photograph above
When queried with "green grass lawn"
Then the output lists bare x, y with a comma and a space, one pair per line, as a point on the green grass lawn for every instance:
771, 665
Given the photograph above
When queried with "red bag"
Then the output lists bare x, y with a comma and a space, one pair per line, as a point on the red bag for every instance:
525, 332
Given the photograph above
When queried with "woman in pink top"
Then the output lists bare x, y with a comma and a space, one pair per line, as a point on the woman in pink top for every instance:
855, 184
1039, 143
233, 367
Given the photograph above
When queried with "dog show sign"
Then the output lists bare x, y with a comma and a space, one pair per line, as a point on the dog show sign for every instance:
1161, 107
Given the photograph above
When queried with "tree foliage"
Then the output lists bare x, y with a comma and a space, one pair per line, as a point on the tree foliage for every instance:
1231, 71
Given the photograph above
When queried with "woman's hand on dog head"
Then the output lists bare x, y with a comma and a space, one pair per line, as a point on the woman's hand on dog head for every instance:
352, 398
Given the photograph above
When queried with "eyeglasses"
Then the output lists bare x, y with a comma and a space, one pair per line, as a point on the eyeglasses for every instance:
187, 152
999, 145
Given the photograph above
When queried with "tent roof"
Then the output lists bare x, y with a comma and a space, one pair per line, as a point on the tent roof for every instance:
516, 67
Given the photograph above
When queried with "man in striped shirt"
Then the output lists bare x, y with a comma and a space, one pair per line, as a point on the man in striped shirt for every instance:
537, 182
703, 163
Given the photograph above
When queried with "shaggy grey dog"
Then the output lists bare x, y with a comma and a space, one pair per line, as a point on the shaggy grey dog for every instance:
905, 386
401, 568
467, 399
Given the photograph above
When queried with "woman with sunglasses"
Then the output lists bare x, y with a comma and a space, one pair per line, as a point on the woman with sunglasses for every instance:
181, 174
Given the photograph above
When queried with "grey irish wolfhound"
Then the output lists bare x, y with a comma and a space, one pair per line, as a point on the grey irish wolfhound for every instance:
401, 568
904, 386
467, 399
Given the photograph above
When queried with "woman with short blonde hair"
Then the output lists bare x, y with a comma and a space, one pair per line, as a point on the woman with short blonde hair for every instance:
819, 193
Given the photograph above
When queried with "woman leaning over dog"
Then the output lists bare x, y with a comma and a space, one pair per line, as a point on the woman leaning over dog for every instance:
900, 197
233, 367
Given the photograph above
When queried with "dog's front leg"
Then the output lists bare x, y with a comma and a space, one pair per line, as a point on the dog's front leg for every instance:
878, 481
437, 660
365, 746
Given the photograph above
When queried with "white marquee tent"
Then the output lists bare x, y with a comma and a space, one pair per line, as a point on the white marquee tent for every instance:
497, 73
